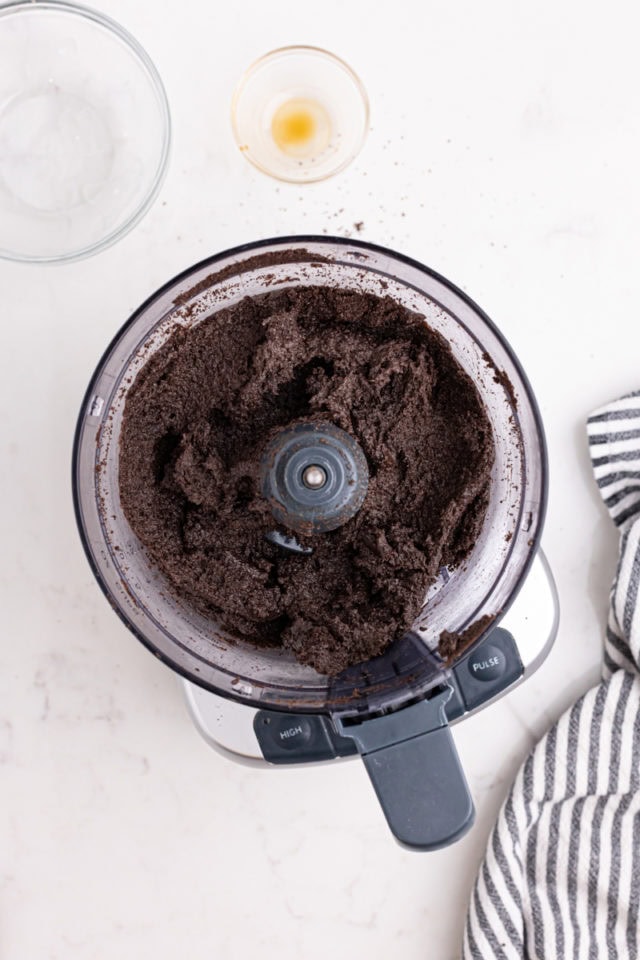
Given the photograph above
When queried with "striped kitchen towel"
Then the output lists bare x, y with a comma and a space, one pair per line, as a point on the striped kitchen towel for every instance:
561, 876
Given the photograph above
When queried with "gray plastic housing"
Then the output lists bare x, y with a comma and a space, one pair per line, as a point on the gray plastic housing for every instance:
413, 765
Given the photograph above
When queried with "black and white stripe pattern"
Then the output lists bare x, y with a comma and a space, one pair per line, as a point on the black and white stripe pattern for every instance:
561, 876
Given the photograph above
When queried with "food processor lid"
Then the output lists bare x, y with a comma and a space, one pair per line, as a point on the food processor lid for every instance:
464, 601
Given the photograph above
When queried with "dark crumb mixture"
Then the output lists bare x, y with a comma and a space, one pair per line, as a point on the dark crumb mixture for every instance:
451, 645
196, 421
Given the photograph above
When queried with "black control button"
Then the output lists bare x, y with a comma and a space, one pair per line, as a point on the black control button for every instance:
292, 733
489, 669
488, 663
293, 738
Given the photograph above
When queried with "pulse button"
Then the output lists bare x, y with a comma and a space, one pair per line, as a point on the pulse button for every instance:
488, 663
489, 669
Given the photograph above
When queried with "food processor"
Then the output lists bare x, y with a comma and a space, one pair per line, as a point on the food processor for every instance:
484, 625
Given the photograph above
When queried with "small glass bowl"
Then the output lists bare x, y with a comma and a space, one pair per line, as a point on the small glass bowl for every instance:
84, 131
300, 114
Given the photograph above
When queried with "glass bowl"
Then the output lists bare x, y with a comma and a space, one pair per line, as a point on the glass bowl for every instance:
84, 131
300, 114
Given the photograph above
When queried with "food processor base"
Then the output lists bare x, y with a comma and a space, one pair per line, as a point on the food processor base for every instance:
505, 657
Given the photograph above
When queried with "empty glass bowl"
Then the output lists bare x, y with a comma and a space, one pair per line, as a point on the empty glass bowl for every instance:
84, 131
300, 114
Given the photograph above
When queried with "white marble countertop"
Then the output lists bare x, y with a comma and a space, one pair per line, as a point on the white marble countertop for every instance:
504, 153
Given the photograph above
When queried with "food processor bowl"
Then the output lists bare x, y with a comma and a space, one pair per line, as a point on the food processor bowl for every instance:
465, 601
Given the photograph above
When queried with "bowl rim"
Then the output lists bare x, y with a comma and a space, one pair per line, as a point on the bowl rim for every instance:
276, 54
17, 7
